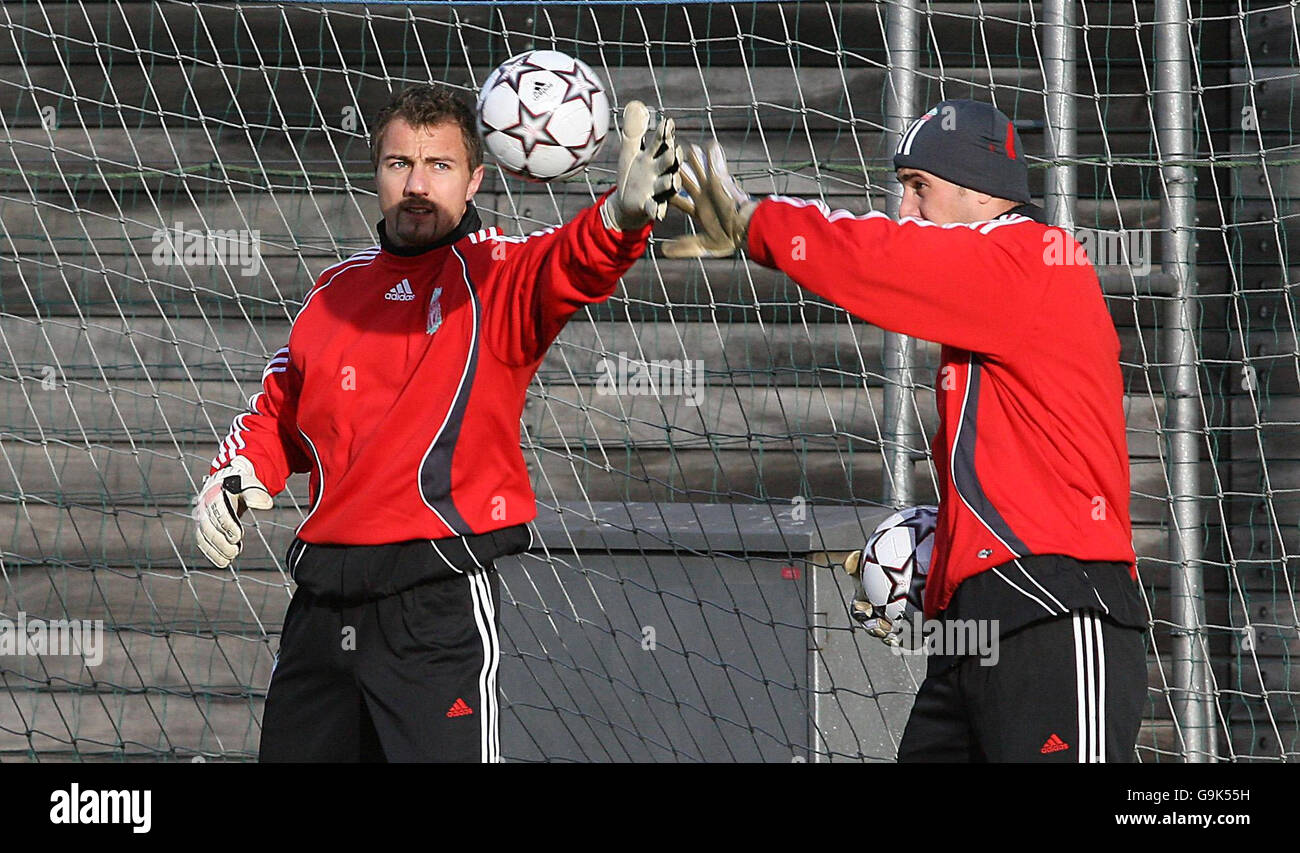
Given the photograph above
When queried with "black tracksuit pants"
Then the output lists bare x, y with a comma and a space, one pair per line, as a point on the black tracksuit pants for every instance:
389, 653
1070, 688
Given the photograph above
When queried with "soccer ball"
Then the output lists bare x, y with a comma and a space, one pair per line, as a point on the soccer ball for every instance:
543, 115
892, 568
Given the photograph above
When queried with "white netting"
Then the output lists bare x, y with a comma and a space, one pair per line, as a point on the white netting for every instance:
680, 606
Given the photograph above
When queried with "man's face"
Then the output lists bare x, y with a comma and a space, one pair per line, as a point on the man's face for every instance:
424, 181
930, 197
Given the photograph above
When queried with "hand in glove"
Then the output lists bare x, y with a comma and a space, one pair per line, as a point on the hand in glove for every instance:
869, 615
648, 172
720, 208
217, 508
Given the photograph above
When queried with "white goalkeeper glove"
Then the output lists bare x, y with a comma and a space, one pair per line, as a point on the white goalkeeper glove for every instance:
891, 572
870, 616
712, 198
217, 508
648, 172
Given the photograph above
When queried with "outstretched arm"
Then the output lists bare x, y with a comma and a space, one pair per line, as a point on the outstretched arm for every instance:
540, 280
968, 286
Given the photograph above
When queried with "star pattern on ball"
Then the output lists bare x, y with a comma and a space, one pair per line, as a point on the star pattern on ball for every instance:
900, 580
582, 153
531, 129
512, 69
578, 86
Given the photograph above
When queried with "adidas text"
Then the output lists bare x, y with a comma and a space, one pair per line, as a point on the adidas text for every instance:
401, 292
1054, 744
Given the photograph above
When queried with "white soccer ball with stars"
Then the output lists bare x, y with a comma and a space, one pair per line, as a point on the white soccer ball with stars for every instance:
543, 115
892, 569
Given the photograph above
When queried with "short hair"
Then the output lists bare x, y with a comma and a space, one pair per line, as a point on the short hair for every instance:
425, 105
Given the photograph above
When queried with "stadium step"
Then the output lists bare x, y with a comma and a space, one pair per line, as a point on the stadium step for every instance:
751, 470
194, 416
338, 224
74, 284
228, 348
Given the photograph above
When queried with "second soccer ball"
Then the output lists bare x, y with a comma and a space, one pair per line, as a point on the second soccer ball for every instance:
891, 571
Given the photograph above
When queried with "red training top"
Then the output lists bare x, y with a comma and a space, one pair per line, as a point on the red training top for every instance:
1030, 452
403, 383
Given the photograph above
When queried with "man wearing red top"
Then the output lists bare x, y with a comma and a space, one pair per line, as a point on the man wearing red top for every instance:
400, 391
1033, 529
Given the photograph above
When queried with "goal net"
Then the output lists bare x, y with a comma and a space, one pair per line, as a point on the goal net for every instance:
174, 176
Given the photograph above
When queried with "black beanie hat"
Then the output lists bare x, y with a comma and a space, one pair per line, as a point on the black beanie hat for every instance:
970, 143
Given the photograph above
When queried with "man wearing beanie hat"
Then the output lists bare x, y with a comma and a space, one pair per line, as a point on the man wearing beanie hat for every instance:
1031, 458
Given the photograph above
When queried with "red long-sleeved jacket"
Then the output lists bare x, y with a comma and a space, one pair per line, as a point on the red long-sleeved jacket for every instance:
403, 383
1030, 451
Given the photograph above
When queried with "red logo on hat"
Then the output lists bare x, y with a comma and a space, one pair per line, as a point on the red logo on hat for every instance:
1011, 141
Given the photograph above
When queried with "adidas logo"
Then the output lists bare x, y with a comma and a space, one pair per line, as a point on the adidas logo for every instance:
1053, 744
459, 709
401, 292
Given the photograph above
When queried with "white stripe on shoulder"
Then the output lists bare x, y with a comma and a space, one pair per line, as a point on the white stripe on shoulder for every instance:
364, 253
983, 226
831, 215
1017, 219
507, 238
362, 259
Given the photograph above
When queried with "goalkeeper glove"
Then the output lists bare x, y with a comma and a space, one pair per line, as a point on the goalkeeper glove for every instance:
870, 616
217, 508
720, 208
647, 175
891, 573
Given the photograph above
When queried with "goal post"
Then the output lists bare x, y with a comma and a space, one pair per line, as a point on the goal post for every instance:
173, 176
